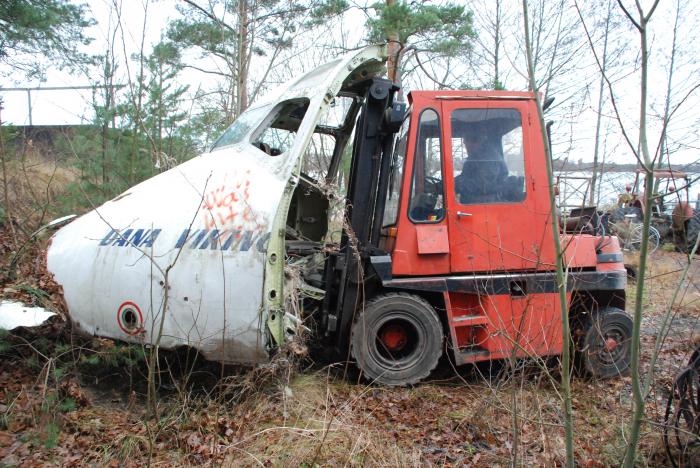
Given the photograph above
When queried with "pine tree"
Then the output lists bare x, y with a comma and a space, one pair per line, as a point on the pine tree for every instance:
164, 117
51, 28
444, 30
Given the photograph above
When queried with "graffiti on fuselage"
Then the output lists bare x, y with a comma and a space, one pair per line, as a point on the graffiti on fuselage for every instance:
232, 240
228, 205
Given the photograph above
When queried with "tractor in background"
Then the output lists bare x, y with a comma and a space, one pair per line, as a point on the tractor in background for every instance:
673, 218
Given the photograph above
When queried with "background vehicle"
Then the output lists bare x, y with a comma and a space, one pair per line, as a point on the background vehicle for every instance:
629, 231
672, 213
446, 244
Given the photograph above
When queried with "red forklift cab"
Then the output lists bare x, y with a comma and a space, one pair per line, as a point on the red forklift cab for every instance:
491, 211
474, 201
467, 236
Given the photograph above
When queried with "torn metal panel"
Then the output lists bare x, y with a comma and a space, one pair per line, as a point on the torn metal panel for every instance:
195, 256
15, 314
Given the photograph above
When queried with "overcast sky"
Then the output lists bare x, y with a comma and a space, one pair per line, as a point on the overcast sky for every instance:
71, 107
576, 92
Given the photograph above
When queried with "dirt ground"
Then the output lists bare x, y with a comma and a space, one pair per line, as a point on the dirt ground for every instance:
71, 402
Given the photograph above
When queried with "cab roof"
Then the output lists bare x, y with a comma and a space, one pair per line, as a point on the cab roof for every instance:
472, 94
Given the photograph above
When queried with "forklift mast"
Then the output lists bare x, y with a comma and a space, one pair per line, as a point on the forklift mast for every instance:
379, 118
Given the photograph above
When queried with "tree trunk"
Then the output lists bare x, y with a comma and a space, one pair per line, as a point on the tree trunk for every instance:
497, 46
393, 50
242, 81
107, 112
596, 150
138, 104
559, 273
667, 106
645, 158
5, 183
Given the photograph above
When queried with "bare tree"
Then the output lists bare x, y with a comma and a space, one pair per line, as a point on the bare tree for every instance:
239, 43
599, 114
105, 112
5, 181
669, 89
647, 160
560, 274
490, 20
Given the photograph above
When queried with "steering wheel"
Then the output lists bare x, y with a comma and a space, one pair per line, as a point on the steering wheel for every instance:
433, 185
423, 206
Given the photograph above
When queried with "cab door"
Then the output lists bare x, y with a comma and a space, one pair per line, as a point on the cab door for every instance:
422, 244
496, 188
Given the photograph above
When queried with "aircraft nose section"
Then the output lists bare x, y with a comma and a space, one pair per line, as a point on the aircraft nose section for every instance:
186, 247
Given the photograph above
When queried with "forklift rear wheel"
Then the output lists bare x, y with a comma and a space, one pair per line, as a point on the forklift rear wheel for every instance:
606, 343
397, 340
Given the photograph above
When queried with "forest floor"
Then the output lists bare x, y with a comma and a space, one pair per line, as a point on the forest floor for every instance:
72, 401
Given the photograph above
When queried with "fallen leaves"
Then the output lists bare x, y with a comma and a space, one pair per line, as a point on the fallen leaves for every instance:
316, 418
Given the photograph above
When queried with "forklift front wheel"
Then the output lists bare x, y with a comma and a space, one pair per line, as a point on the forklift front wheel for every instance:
397, 340
606, 343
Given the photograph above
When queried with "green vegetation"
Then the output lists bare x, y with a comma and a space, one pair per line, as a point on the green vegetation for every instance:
51, 28
440, 29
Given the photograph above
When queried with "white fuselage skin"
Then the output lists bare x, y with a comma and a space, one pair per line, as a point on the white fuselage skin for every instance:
208, 221
181, 259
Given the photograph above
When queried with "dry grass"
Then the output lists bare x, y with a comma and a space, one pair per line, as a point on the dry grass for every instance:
34, 185
278, 415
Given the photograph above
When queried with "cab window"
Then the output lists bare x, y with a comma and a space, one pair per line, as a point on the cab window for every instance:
391, 207
488, 158
318, 156
241, 126
427, 201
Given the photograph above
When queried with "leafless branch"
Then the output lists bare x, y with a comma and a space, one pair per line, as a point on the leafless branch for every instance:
610, 89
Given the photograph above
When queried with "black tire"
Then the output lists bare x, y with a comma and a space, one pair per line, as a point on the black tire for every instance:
397, 340
605, 343
692, 230
681, 429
